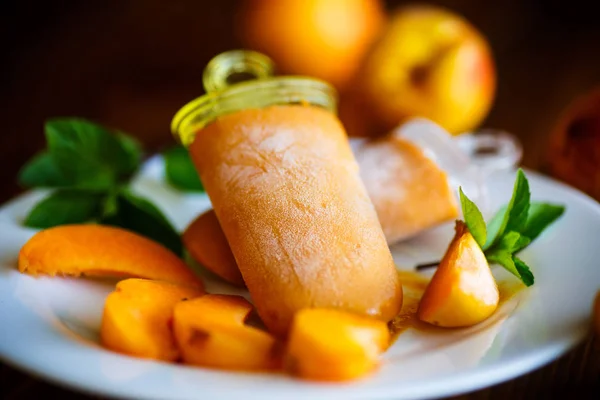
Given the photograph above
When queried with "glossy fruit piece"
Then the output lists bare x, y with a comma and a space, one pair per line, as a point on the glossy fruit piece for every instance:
138, 315
97, 250
211, 332
334, 345
463, 291
207, 244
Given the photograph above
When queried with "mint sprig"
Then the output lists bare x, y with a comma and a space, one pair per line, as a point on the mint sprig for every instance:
512, 229
90, 169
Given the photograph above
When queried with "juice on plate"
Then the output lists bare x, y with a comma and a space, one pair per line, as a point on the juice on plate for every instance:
278, 168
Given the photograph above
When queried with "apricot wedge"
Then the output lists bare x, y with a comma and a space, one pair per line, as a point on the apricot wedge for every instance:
205, 241
97, 250
138, 315
211, 332
463, 291
334, 345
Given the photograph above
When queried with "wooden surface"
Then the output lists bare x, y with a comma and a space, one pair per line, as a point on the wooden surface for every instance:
131, 64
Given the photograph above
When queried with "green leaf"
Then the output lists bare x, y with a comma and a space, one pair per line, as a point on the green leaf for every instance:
180, 171
65, 207
140, 215
503, 258
87, 154
493, 227
524, 271
512, 264
473, 219
133, 150
42, 171
515, 216
541, 215
513, 242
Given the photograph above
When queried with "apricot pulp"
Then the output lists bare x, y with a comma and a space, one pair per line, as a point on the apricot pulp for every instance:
211, 332
137, 317
334, 345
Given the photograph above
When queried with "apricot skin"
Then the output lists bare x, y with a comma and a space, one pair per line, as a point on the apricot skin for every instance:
137, 316
334, 345
97, 250
463, 291
206, 243
325, 39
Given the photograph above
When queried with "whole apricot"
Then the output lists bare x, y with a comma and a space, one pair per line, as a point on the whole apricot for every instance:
431, 63
326, 39
574, 152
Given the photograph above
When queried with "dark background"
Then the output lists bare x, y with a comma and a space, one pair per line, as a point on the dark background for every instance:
130, 64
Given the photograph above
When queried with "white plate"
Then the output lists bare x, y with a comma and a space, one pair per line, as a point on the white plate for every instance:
49, 326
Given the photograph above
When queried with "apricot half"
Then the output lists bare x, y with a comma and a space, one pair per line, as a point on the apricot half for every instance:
334, 345
137, 318
206, 243
211, 332
463, 291
98, 250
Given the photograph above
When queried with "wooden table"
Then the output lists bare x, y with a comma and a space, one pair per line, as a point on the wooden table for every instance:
131, 64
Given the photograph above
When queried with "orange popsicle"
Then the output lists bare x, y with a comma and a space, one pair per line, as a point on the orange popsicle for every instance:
286, 189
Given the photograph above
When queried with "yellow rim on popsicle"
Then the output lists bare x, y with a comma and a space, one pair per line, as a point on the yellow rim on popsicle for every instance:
242, 79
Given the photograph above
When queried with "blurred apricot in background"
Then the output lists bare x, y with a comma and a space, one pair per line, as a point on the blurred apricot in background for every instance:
326, 39
574, 152
430, 62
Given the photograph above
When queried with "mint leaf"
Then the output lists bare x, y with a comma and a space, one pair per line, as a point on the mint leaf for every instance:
133, 151
493, 227
513, 242
505, 259
87, 154
140, 215
65, 207
540, 216
42, 171
180, 171
473, 219
512, 264
515, 215
524, 271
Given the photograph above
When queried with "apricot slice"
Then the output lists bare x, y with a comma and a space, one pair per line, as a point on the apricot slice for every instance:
463, 291
210, 332
206, 243
137, 318
334, 345
97, 250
